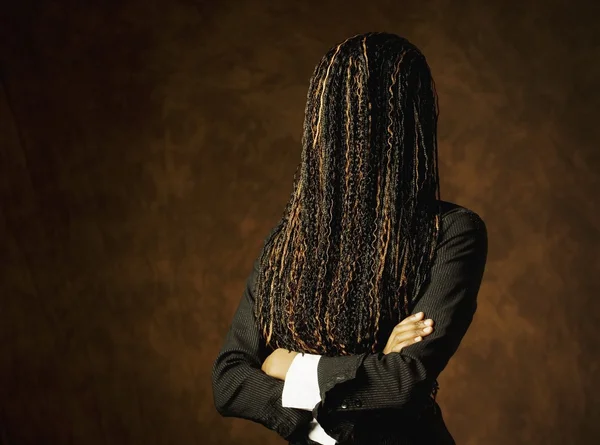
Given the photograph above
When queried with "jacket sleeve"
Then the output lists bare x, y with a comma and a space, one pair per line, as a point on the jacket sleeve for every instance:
358, 383
240, 388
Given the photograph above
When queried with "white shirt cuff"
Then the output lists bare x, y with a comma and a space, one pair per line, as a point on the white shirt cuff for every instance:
301, 386
318, 434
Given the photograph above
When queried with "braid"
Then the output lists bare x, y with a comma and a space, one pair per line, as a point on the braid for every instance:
357, 238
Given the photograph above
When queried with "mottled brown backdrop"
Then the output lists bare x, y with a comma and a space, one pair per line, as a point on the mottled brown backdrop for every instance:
148, 147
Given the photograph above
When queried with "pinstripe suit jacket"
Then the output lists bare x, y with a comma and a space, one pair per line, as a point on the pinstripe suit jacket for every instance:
370, 398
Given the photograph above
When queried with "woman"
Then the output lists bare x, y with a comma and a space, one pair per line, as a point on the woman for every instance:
334, 339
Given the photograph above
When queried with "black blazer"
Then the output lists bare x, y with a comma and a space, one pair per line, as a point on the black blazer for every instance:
368, 398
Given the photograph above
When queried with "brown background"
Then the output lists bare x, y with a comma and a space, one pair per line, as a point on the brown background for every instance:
147, 148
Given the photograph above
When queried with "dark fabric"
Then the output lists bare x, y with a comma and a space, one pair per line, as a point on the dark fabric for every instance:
372, 399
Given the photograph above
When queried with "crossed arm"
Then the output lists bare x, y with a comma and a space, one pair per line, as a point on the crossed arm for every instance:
363, 381
240, 388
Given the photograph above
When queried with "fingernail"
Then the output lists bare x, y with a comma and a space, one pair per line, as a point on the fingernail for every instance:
429, 322
418, 338
427, 329
418, 314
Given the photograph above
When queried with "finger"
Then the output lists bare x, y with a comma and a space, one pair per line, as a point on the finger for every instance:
405, 344
411, 326
412, 318
408, 338
410, 334
406, 329
399, 337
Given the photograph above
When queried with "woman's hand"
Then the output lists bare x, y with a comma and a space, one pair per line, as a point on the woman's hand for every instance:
407, 332
278, 362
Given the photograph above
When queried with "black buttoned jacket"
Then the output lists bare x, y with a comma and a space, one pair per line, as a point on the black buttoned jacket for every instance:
370, 398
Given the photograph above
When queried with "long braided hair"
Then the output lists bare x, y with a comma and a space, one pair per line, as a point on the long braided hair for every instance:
357, 238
